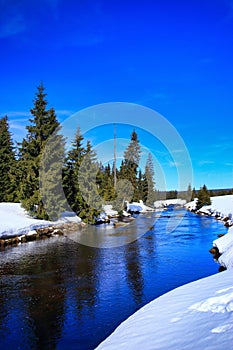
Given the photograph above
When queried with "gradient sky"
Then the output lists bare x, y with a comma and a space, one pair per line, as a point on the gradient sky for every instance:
175, 57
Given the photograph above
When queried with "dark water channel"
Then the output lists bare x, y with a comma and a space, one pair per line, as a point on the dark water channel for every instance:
58, 294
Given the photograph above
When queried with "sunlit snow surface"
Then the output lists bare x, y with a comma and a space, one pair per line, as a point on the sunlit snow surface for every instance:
196, 316
15, 221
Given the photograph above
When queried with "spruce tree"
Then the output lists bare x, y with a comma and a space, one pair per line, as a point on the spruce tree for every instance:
73, 162
203, 197
91, 204
105, 183
42, 125
8, 184
149, 192
51, 165
129, 167
194, 195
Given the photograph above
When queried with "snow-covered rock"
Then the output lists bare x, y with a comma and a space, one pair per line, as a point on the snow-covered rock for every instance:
107, 209
191, 205
138, 207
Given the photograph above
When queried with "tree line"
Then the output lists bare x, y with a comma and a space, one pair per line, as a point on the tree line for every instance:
31, 171
47, 178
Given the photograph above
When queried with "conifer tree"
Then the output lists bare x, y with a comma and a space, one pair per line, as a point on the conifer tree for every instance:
51, 166
142, 186
92, 203
70, 173
129, 167
203, 197
194, 195
105, 183
186, 195
42, 125
8, 185
149, 191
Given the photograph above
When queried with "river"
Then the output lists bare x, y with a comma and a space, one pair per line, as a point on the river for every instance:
59, 294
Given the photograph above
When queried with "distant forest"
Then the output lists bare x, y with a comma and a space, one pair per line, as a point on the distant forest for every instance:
31, 171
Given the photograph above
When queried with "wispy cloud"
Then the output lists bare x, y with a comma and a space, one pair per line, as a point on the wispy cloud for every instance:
173, 164
12, 25
206, 162
63, 113
16, 114
177, 151
151, 96
229, 164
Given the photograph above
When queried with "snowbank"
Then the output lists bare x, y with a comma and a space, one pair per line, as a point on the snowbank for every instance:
220, 205
14, 220
225, 247
198, 315
195, 316
167, 202
138, 207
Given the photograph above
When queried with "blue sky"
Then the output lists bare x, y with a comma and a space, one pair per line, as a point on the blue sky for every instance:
172, 56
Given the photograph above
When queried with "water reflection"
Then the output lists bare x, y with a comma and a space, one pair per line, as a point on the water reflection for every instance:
83, 277
58, 294
134, 271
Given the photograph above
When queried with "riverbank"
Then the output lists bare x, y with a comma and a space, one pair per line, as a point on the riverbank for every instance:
196, 316
221, 208
16, 226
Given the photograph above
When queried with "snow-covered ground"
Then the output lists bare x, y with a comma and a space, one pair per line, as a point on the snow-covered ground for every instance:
138, 207
15, 221
195, 316
222, 205
167, 202
198, 315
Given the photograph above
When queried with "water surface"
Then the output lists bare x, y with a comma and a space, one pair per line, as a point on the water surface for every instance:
59, 294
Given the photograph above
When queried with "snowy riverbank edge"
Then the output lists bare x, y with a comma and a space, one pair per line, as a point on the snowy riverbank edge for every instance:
198, 315
15, 222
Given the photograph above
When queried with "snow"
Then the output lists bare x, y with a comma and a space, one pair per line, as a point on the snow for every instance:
14, 220
191, 205
167, 202
195, 316
221, 205
225, 247
138, 207
109, 211
198, 315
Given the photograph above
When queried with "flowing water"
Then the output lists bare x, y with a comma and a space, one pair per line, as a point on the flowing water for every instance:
59, 294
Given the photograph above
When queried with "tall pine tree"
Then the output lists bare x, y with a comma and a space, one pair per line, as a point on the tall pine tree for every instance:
51, 166
129, 166
73, 162
8, 185
42, 125
87, 174
149, 190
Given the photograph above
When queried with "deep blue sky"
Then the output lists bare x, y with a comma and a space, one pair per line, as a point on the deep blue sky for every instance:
175, 57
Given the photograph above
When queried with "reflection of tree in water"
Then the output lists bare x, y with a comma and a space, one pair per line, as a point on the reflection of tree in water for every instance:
134, 270
83, 275
3, 307
44, 297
